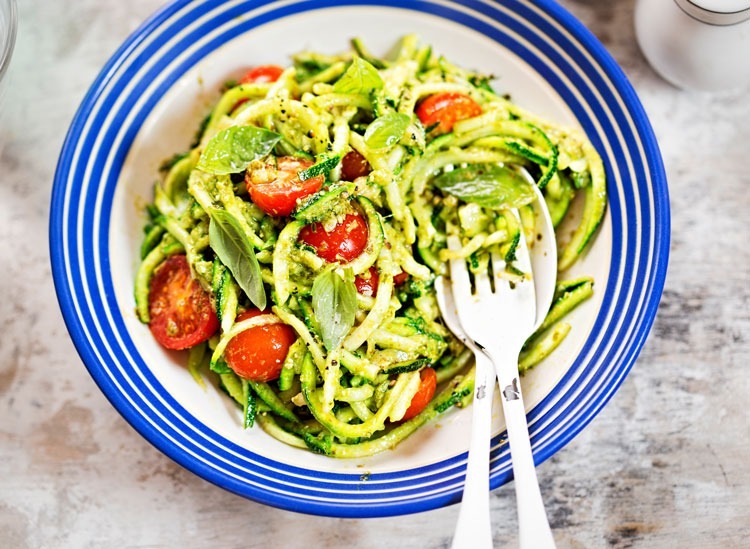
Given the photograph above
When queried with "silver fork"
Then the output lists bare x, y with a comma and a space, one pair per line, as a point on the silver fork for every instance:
473, 528
499, 315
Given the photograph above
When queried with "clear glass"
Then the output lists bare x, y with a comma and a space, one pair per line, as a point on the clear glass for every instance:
8, 24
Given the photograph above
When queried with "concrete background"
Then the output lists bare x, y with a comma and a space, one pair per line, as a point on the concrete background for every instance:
665, 464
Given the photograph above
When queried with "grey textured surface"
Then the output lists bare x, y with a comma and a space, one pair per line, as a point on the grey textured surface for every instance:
665, 464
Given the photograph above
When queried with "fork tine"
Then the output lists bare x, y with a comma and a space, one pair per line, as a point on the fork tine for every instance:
460, 282
482, 282
506, 283
525, 284
523, 259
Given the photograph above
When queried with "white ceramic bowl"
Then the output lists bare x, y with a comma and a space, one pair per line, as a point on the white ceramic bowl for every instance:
146, 105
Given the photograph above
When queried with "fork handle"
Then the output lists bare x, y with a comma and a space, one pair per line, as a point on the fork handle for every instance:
533, 527
473, 529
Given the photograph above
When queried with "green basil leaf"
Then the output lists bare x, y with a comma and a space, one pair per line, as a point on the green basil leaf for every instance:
234, 250
334, 302
387, 130
490, 186
231, 150
360, 78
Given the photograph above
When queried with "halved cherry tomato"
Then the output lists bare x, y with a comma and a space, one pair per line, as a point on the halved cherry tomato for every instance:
445, 109
258, 354
367, 283
262, 74
354, 165
345, 241
423, 396
275, 189
180, 309
400, 278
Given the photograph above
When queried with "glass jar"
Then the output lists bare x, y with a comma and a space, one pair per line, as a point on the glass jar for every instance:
696, 44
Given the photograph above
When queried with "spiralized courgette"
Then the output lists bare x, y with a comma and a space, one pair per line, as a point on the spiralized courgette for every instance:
354, 369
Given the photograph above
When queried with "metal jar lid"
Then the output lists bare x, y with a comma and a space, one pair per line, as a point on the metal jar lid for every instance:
716, 12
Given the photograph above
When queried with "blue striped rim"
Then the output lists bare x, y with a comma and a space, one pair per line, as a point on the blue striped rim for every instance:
568, 58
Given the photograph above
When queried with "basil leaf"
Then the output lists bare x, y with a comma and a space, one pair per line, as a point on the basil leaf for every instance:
490, 186
387, 130
231, 150
234, 250
360, 78
334, 302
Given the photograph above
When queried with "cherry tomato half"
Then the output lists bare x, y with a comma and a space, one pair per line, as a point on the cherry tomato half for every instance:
400, 278
345, 241
367, 283
445, 109
423, 396
258, 354
354, 165
262, 74
180, 309
275, 189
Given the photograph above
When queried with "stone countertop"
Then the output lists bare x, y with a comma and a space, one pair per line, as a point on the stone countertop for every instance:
665, 464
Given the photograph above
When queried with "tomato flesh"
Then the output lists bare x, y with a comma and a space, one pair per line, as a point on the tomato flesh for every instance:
262, 74
343, 243
443, 110
400, 278
258, 354
423, 396
354, 165
367, 283
180, 309
276, 189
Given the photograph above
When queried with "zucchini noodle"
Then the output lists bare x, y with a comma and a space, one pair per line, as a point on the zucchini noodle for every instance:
360, 357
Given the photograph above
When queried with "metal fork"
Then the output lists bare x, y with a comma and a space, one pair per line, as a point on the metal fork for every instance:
473, 528
498, 313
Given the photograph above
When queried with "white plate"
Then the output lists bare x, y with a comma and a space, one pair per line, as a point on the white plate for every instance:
146, 105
